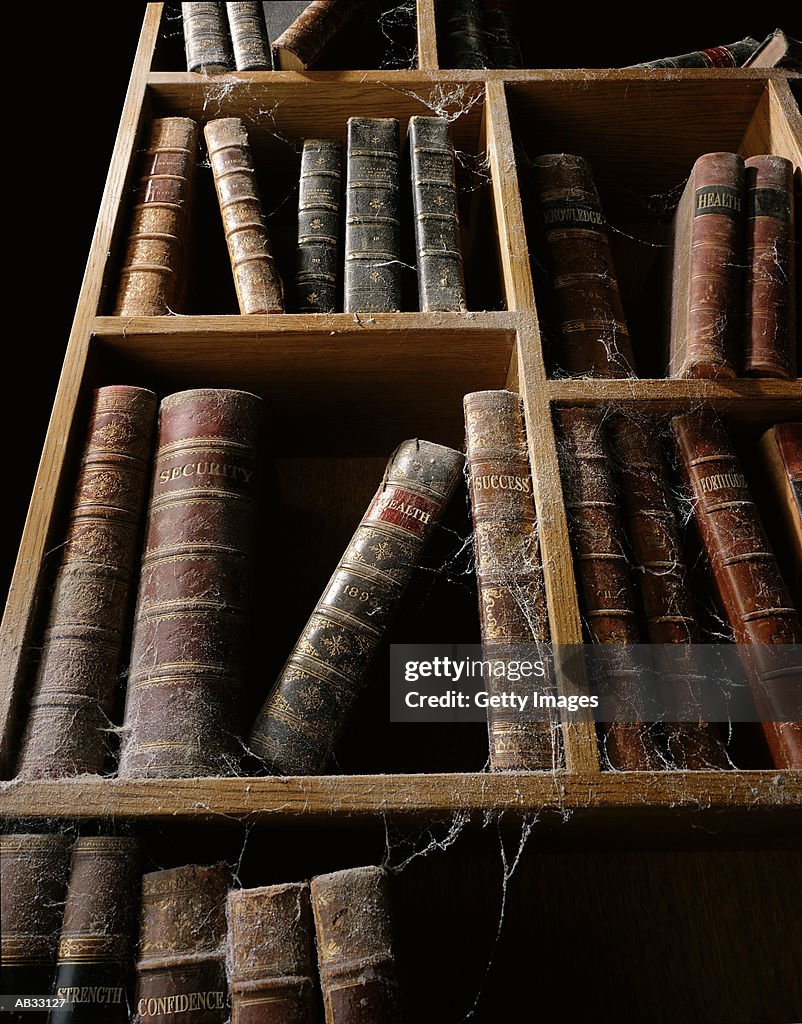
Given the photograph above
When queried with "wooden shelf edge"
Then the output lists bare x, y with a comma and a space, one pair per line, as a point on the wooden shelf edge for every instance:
661, 390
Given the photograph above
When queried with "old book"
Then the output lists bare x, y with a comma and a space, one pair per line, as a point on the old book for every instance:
191, 621
97, 937
778, 50
751, 590
206, 40
153, 275
372, 212
461, 28
255, 276
304, 714
33, 881
501, 34
781, 448
441, 282
249, 36
354, 930
705, 261
512, 597
770, 338
74, 687
317, 280
181, 973
270, 955
602, 566
306, 40
592, 327
731, 55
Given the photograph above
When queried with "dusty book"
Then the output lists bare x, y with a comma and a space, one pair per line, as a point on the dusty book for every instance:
316, 28
317, 276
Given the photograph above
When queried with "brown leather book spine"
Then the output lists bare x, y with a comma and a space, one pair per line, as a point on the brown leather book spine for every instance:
249, 36
33, 881
512, 596
706, 270
152, 279
191, 620
750, 587
97, 936
594, 334
306, 710
206, 41
770, 308
270, 955
255, 276
181, 973
353, 925
305, 41
781, 448
74, 686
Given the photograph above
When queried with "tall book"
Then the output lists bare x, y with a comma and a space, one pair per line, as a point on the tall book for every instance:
512, 597
770, 338
372, 217
705, 261
306, 710
33, 881
501, 34
441, 281
781, 451
74, 687
305, 41
153, 276
206, 39
461, 28
730, 55
778, 50
353, 925
747, 578
249, 36
181, 972
97, 937
191, 620
592, 326
255, 276
319, 197
270, 955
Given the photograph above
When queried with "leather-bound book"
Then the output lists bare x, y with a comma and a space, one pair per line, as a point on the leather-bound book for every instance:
318, 256
748, 581
512, 597
705, 262
152, 279
461, 27
74, 687
306, 40
441, 282
770, 338
33, 881
778, 50
602, 566
255, 276
181, 973
191, 621
249, 36
304, 714
271, 955
354, 929
97, 937
592, 327
372, 211
781, 448
501, 34
206, 40
731, 55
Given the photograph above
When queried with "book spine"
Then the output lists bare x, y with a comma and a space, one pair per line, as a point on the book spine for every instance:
181, 973
770, 308
305, 712
731, 55
750, 587
316, 278
512, 597
501, 35
190, 625
270, 946
441, 283
595, 338
97, 936
462, 28
33, 881
249, 36
372, 211
305, 41
206, 37
74, 687
353, 926
152, 277
781, 451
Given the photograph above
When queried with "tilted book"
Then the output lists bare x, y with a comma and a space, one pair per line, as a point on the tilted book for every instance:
730, 55
305, 41
781, 448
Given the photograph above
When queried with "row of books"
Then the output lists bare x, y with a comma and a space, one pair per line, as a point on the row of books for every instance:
74, 920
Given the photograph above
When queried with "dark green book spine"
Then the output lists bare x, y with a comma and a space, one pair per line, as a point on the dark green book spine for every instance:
318, 226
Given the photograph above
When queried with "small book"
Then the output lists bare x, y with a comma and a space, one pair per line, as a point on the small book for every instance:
777, 50
317, 278
731, 55
354, 930
502, 37
249, 36
305, 41
306, 710
781, 451
461, 28
206, 38
704, 294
